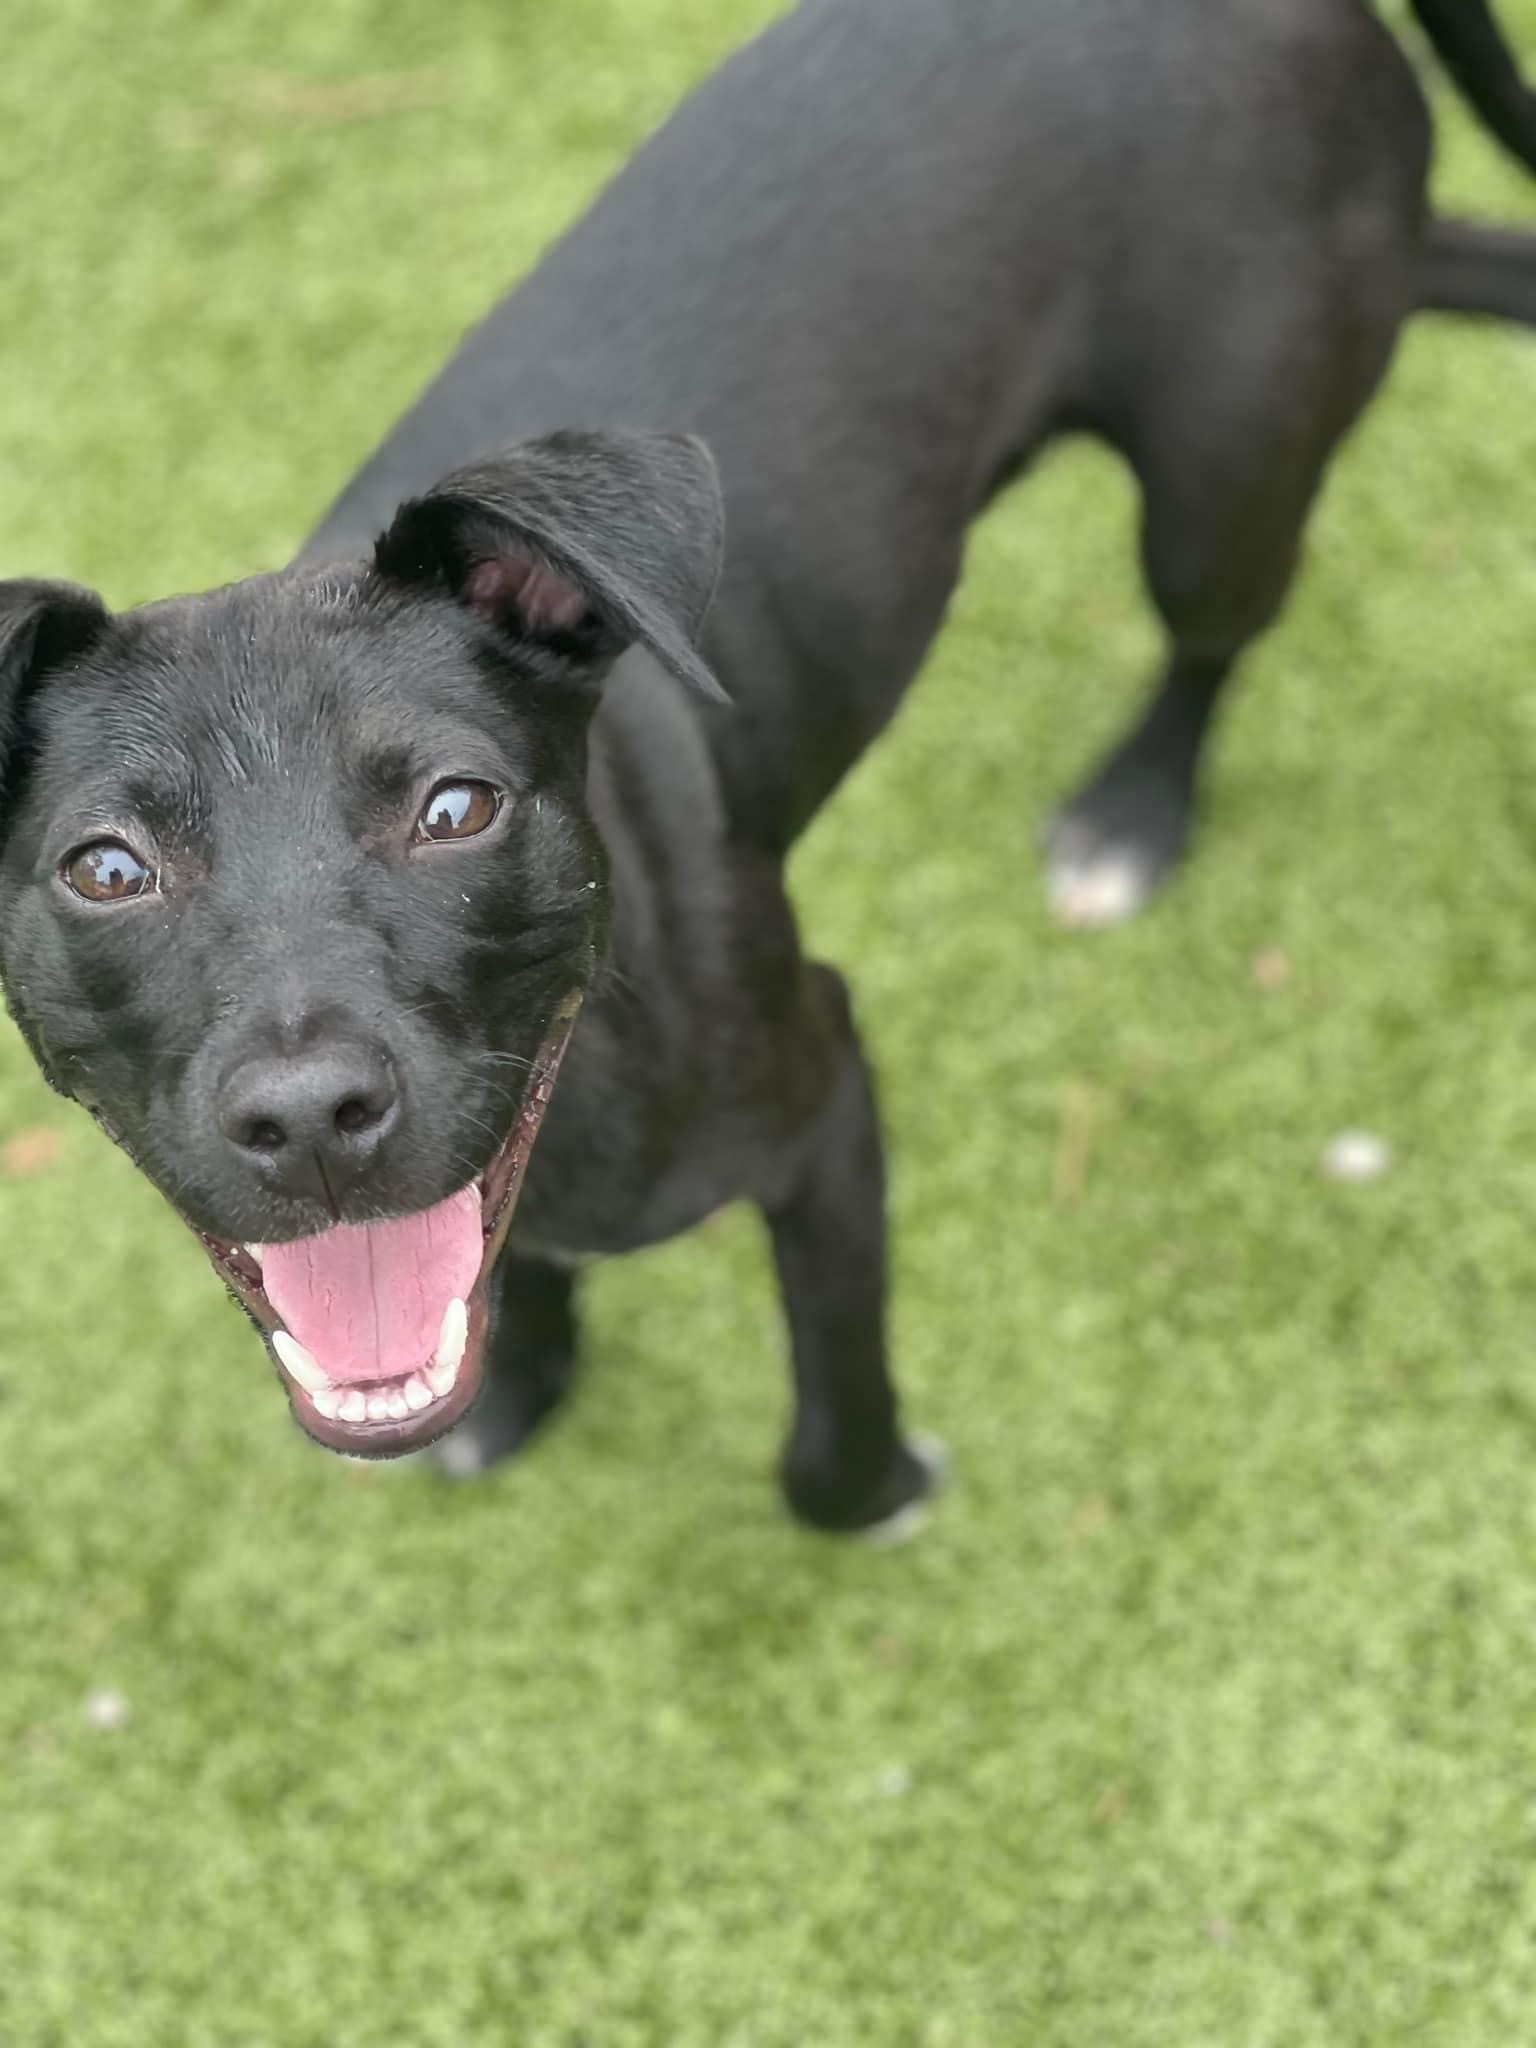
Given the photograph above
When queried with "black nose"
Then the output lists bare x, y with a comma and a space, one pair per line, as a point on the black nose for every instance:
311, 1123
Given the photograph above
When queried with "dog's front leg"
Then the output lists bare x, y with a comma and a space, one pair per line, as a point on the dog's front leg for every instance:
845, 1465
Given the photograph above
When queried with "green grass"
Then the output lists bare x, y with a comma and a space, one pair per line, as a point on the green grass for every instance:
1204, 1716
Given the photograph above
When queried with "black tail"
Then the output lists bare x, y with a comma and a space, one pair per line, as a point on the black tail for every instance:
1471, 269
1469, 44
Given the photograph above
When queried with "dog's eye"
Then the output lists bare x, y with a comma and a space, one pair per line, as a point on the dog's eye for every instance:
106, 871
457, 810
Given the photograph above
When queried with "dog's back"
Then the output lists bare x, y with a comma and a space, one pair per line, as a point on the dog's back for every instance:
890, 247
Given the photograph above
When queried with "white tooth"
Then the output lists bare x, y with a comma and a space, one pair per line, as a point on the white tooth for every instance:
452, 1338
440, 1379
416, 1395
298, 1363
353, 1408
256, 1251
378, 1408
395, 1402
328, 1401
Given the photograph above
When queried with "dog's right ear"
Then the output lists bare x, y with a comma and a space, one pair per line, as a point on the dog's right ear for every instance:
43, 627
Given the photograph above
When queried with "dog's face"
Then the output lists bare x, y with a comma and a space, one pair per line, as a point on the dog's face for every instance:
299, 893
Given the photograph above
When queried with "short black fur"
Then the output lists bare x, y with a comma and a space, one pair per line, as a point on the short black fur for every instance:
875, 264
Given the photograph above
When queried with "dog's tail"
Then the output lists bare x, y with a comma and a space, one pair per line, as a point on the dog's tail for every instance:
1469, 268
1471, 46
1472, 269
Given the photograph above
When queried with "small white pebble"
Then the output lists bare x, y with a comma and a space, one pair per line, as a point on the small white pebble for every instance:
1357, 1156
106, 1709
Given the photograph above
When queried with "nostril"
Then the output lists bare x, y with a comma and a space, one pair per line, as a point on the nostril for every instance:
357, 1115
265, 1136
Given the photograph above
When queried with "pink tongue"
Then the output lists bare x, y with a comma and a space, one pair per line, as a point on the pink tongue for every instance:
367, 1300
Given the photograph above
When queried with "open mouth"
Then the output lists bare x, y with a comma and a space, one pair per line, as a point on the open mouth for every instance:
378, 1330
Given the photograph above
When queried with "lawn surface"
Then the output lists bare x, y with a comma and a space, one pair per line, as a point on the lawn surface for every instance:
1204, 1715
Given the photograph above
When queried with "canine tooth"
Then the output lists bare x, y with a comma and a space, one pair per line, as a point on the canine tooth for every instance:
328, 1402
298, 1363
440, 1379
378, 1408
353, 1408
256, 1251
416, 1395
452, 1338
395, 1402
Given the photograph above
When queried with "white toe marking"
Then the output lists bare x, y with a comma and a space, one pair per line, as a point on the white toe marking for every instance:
933, 1454
459, 1456
1105, 889
899, 1528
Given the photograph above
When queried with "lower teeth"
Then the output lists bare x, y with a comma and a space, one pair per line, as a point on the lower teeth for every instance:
393, 1405
379, 1404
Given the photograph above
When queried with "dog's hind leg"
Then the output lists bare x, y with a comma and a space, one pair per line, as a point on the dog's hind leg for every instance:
528, 1366
846, 1465
1229, 454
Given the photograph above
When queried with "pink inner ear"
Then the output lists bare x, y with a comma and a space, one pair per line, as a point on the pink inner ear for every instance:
545, 602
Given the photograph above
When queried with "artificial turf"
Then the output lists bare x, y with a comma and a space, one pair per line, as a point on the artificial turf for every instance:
1204, 1714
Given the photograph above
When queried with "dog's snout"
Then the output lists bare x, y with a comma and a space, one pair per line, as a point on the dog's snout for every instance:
317, 1117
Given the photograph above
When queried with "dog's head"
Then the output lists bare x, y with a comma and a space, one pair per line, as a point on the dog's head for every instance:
299, 893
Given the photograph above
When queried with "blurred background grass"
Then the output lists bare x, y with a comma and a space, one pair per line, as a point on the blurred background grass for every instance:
1205, 1714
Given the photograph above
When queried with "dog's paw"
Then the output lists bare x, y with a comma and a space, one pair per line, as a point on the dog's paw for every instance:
932, 1453
1111, 850
889, 1511
1093, 891
512, 1407
465, 1454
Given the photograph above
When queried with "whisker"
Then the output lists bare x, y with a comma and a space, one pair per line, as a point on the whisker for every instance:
479, 1123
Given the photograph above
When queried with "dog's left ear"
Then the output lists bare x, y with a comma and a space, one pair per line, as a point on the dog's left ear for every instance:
43, 626
578, 544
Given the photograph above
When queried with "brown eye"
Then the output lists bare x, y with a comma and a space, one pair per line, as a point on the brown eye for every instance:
457, 810
106, 871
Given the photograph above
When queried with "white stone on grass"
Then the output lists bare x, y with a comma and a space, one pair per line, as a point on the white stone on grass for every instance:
1357, 1156
106, 1709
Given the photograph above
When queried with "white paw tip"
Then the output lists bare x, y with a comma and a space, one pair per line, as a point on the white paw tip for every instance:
933, 1452
899, 1528
459, 1456
909, 1521
1104, 890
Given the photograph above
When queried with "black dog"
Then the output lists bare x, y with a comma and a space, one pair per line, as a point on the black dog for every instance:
305, 880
